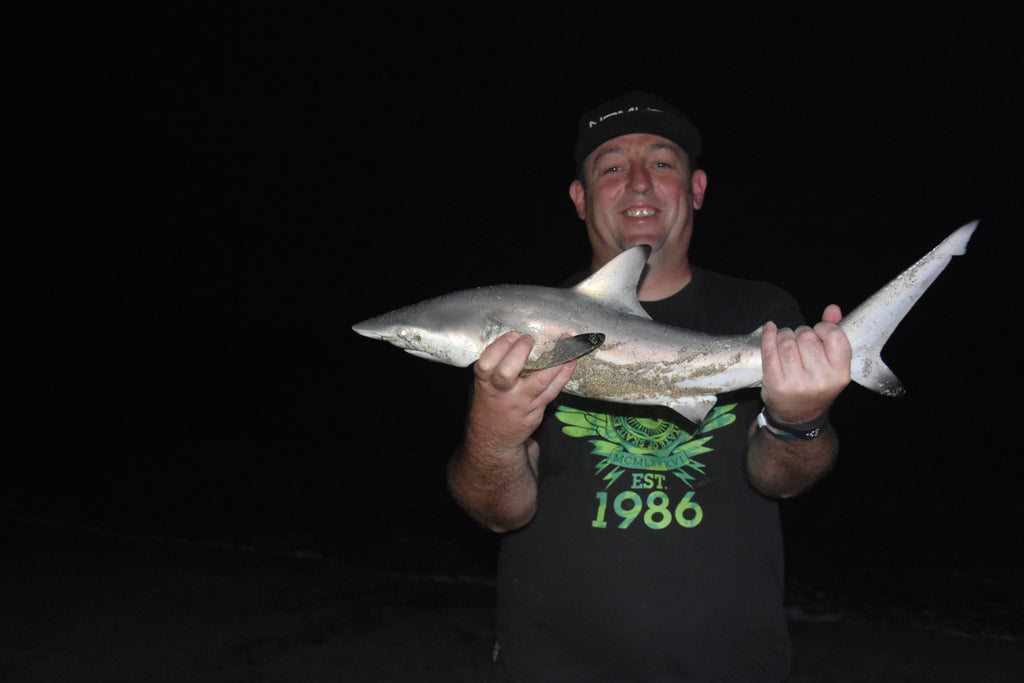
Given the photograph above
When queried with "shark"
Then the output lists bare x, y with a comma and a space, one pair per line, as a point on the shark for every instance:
626, 357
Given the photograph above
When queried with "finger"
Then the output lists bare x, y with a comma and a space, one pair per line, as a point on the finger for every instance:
833, 340
838, 352
790, 354
833, 314
493, 355
509, 369
552, 380
769, 349
814, 344
811, 350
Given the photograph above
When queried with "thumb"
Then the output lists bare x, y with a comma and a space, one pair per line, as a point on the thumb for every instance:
832, 314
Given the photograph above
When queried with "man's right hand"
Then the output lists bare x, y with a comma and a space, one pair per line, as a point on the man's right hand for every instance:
493, 474
508, 407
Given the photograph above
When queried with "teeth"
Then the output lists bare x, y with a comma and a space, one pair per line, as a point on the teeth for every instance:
640, 213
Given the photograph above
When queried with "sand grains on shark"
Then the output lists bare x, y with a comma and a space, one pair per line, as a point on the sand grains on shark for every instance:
638, 360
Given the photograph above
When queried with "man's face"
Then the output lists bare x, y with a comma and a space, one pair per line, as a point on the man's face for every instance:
639, 190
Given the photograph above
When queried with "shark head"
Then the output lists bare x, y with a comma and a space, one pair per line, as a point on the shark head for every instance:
447, 330
455, 328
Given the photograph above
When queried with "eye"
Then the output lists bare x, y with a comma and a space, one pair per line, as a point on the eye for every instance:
403, 333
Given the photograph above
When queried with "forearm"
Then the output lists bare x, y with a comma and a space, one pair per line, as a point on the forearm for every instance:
782, 468
804, 371
493, 474
496, 485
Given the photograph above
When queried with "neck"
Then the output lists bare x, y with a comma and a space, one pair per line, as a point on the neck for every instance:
659, 280
661, 283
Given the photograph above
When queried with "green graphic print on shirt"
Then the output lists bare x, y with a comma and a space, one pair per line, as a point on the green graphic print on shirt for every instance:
647, 451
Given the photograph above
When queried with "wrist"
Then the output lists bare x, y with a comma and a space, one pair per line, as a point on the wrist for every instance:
783, 430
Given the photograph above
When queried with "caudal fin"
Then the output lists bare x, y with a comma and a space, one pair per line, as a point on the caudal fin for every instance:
869, 326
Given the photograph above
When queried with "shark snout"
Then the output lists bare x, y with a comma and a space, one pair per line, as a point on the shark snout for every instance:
366, 329
379, 326
386, 330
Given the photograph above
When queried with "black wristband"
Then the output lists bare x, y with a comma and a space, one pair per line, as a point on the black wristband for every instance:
805, 431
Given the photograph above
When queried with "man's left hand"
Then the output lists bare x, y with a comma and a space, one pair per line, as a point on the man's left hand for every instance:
804, 369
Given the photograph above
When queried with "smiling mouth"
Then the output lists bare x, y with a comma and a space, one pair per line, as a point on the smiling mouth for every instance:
643, 212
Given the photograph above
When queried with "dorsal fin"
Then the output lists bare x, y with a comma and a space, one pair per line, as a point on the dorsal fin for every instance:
615, 283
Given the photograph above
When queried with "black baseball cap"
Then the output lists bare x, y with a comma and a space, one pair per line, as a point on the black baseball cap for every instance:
636, 112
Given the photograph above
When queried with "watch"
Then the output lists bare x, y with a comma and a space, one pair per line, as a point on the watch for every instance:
805, 431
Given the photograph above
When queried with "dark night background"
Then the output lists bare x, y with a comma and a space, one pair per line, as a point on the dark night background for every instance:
216, 193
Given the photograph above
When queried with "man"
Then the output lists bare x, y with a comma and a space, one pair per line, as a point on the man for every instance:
638, 546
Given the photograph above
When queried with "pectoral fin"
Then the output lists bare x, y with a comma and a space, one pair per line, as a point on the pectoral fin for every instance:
566, 349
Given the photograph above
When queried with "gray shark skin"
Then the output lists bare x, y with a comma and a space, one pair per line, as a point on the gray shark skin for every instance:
642, 361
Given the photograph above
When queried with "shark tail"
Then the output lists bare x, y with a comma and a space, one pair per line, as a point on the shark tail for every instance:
871, 324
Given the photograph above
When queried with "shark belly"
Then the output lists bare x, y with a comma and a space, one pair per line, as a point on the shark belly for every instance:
685, 378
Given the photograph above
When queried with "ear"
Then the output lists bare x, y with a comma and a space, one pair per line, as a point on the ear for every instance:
579, 198
698, 186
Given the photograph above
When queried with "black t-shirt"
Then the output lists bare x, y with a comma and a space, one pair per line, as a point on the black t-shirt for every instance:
650, 557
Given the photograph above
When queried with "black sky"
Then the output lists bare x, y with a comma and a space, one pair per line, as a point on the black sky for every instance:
222, 191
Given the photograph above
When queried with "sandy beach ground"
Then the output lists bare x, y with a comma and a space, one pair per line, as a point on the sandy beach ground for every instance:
80, 606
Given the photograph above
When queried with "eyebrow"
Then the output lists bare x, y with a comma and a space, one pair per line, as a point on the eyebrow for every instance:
653, 147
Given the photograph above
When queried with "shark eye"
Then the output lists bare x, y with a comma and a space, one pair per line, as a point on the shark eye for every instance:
403, 333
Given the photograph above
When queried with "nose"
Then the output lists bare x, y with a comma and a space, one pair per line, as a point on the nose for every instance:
639, 178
